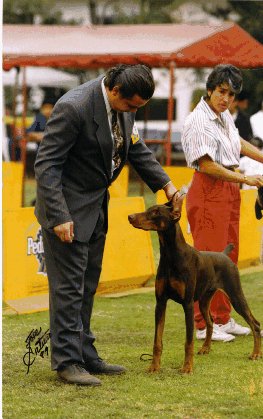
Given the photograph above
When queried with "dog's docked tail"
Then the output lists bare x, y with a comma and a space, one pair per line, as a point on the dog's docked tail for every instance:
228, 249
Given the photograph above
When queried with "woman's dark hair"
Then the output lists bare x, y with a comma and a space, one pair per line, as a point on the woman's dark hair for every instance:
225, 73
132, 80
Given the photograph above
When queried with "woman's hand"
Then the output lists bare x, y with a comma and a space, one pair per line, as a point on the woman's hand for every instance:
208, 166
255, 180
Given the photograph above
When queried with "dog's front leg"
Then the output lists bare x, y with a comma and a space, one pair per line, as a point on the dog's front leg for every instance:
189, 342
160, 309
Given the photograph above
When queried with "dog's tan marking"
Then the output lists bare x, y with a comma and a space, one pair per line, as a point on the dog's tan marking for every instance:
188, 362
178, 286
159, 287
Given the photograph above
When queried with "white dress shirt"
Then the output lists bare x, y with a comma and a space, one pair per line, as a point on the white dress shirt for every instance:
206, 133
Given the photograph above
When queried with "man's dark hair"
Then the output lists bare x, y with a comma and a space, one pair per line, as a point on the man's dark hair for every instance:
132, 80
225, 73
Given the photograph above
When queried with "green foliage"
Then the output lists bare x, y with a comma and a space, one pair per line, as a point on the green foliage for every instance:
138, 11
27, 11
249, 17
225, 384
24, 11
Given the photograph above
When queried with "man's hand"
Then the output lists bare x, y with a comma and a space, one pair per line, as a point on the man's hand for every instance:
65, 232
171, 191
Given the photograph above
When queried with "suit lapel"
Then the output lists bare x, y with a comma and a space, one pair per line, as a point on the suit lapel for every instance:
103, 130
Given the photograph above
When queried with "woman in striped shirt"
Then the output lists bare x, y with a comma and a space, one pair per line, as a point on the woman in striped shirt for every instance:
212, 146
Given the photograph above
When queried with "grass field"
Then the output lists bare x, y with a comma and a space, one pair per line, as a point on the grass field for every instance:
225, 384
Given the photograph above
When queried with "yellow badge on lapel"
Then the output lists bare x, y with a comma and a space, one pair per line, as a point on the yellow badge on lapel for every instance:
135, 134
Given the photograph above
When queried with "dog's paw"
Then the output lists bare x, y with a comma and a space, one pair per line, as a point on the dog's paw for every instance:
255, 356
204, 350
154, 368
186, 369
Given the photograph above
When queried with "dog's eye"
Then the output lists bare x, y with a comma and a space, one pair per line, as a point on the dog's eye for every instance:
154, 213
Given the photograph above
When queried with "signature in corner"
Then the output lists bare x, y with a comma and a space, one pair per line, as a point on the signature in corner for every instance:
36, 343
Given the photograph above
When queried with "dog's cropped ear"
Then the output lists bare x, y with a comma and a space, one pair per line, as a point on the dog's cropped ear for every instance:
177, 204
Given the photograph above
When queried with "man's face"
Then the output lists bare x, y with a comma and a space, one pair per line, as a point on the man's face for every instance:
242, 104
121, 104
46, 109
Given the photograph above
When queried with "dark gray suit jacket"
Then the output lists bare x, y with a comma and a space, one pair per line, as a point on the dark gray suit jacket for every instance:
73, 164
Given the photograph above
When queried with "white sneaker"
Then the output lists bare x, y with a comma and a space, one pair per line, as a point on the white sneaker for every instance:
217, 334
234, 328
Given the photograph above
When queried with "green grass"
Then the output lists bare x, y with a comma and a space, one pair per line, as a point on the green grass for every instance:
225, 384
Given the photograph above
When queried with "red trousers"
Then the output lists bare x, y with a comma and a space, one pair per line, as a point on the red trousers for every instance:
213, 210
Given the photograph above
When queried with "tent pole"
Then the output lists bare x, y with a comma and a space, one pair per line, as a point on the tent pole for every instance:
170, 113
14, 133
23, 139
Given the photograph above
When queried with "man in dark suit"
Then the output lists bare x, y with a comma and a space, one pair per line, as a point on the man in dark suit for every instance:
88, 138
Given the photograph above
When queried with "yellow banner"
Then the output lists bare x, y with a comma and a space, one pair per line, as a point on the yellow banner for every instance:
12, 185
128, 259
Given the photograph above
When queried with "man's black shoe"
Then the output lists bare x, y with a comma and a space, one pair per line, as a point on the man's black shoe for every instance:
76, 374
99, 366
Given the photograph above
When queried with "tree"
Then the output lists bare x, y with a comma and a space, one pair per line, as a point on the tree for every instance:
137, 11
249, 15
32, 11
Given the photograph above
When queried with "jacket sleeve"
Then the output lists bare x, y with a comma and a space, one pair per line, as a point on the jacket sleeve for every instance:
60, 135
145, 163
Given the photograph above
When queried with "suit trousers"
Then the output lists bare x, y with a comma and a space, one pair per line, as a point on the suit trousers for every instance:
213, 212
73, 274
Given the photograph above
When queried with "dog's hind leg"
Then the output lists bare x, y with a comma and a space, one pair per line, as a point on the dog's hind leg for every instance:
239, 303
189, 343
160, 310
204, 305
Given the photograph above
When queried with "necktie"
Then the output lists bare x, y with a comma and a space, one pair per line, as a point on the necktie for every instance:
118, 140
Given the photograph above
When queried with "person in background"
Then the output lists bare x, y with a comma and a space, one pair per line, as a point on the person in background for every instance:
88, 139
238, 110
212, 146
248, 166
35, 131
256, 121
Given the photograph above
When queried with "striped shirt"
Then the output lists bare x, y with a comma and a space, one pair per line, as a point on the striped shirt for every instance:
205, 133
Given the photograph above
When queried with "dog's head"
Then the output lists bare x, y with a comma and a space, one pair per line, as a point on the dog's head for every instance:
259, 204
158, 217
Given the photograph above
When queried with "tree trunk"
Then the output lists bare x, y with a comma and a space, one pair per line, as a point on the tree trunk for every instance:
92, 9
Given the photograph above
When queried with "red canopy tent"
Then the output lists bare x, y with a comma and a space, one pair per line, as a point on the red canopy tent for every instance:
156, 45
159, 45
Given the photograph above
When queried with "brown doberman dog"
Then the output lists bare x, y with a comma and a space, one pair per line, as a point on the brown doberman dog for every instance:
186, 275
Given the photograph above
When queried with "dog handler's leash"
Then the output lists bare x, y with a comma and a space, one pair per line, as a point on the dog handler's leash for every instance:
142, 357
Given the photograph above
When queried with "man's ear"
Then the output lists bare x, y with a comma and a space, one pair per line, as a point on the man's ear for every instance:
115, 90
